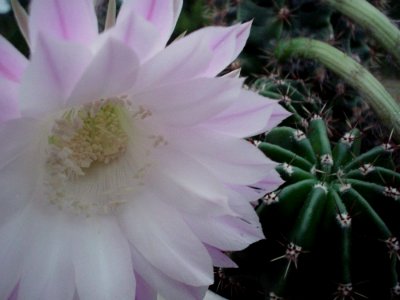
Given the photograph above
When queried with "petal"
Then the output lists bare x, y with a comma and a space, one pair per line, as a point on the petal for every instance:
185, 104
225, 43
177, 172
232, 160
226, 233
18, 180
167, 243
12, 62
183, 60
167, 287
249, 115
15, 238
220, 259
143, 290
48, 273
102, 261
204, 53
111, 72
167, 186
16, 135
278, 115
270, 183
212, 296
14, 294
9, 108
160, 13
73, 20
137, 33
55, 68
240, 202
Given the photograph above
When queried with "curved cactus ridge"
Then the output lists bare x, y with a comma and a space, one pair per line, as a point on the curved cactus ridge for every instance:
370, 18
353, 73
326, 187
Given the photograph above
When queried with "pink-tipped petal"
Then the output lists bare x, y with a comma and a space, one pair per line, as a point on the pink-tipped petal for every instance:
200, 192
191, 102
102, 261
160, 13
223, 155
249, 115
225, 233
143, 290
12, 62
111, 72
14, 294
207, 50
188, 174
139, 34
166, 187
277, 116
161, 246
166, 286
225, 44
181, 61
220, 259
54, 70
270, 183
9, 107
72, 20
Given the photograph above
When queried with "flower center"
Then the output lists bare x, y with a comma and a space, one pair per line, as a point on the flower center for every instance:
80, 141
91, 134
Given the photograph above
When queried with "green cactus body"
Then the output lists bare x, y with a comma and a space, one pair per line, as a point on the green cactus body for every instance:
327, 189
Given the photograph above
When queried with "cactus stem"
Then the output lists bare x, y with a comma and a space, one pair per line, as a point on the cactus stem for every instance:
366, 168
396, 289
388, 147
344, 187
391, 192
273, 296
343, 291
288, 169
354, 73
393, 245
346, 291
321, 186
369, 17
270, 198
348, 139
344, 220
299, 135
292, 255
326, 160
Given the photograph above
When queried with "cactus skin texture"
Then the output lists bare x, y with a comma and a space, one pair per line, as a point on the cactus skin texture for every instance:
334, 203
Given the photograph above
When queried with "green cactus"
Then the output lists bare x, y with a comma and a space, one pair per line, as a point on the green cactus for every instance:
283, 20
278, 20
335, 207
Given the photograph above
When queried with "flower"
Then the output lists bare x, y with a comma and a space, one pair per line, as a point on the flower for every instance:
123, 166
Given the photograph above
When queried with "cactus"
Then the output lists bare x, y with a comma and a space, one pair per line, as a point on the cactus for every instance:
283, 20
336, 215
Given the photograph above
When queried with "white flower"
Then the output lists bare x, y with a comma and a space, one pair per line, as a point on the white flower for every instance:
123, 168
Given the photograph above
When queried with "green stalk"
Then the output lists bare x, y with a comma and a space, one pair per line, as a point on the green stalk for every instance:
355, 74
369, 17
